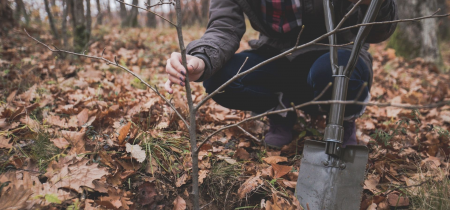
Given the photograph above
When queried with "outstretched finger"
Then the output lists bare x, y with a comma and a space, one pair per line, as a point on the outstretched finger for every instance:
168, 86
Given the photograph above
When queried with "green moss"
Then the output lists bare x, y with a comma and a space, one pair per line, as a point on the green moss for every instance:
402, 46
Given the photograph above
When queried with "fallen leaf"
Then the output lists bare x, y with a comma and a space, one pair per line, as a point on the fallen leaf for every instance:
60, 142
242, 154
136, 152
83, 117
249, 185
76, 140
395, 200
4, 143
275, 159
202, 175
181, 180
280, 170
123, 133
179, 203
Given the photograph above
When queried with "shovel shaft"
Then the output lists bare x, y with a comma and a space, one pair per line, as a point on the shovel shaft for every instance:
334, 132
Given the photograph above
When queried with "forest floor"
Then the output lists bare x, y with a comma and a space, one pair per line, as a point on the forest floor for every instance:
68, 126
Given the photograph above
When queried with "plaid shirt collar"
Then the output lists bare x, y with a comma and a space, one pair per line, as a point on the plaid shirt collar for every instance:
282, 15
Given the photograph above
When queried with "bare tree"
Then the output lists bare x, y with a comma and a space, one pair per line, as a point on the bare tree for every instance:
424, 43
80, 31
6, 17
123, 12
195, 146
205, 11
88, 19
64, 22
21, 10
99, 13
51, 20
131, 19
151, 18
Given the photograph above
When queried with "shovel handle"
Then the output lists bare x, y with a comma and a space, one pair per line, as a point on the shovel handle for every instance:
334, 132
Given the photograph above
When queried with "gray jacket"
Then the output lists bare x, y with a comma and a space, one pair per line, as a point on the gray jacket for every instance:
227, 26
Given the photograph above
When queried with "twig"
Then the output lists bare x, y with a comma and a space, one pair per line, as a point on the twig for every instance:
394, 21
334, 45
248, 134
246, 59
158, 4
109, 62
219, 89
299, 35
403, 106
173, 24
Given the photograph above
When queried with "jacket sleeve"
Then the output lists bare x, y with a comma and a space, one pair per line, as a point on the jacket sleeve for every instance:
379, 32
222, 38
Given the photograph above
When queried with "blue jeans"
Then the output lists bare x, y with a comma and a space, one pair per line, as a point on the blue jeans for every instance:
300, 80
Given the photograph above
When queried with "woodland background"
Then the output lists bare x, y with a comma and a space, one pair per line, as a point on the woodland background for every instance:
78, 134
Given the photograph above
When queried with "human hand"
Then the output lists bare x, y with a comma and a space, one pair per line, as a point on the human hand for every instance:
177, 73
363, 1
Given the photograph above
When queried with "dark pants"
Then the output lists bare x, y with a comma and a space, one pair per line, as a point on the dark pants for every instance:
300, 80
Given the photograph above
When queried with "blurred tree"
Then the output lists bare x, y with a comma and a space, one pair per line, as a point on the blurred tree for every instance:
131, 19
21, 10
80, 31
417, 39
6, 17
123, 12
99, 13
50, 19
205, 11
65, 6
88, 18
108, 6
151, 18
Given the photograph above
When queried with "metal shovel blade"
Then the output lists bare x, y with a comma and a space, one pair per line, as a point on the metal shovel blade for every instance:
336, 186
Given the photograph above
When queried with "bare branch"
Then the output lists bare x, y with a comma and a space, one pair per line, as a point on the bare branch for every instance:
348, 14
394, 21
246, 59
248, 134
299, 35
335, 45
313, 42
160, 3
173, 24
403, 106
118, 65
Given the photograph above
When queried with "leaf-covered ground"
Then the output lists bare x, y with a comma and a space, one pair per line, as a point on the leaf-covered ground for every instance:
76, 133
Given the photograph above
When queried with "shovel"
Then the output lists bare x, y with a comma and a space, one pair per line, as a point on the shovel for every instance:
332, 177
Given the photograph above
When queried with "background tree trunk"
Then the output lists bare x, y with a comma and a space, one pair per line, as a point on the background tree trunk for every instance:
205, 11
131, 20
123, 13
444, 23
64, 23
80, 33
108, 6
6, 17
21, 10
417, 39
99, 13
51, 20
151, 18
88, 18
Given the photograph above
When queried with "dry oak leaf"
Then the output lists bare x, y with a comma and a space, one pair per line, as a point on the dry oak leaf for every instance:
57, 121
60, 142
242, 154
76, 139
15, 198
79, 174
4, 143
396, 201
136, 152
179, 203
83, 117
123, 133
275, 159
371, 183
280, 170
181, 180
202, 175
249, 185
